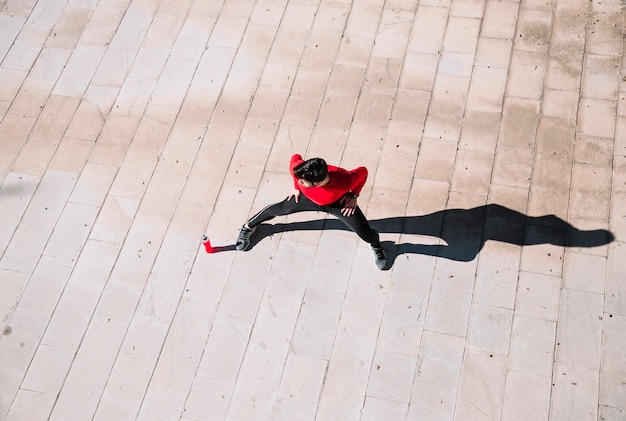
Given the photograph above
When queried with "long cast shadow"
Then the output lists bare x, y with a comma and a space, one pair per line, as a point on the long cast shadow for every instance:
464, 231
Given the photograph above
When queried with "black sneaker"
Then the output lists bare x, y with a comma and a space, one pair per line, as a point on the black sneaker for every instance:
380, 257
243, 240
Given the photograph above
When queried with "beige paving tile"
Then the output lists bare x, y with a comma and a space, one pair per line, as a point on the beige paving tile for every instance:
258, 382
489, 328
497, 275
449, 304
274, 325
375, 409
402, 324
499, 19
437, 375
533, 30
538, 296
428, 29
348, 371
532, 346
486, 92
612, 369
208, 399
481, 389
30, 404
578, 324
575, 391
526, 74
392, 376
302, 379
512, 167
591, 112
534, 389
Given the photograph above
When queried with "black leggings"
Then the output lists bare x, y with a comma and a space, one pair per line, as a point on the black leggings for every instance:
357, 222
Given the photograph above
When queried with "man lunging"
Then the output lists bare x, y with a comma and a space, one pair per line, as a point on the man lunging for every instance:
326, 188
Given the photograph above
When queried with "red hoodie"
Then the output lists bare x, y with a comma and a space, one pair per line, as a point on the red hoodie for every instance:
341, 182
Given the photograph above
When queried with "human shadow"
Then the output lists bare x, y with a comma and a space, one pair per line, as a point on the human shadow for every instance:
464, 231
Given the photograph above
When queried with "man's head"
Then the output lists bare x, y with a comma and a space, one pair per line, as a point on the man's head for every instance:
312, 171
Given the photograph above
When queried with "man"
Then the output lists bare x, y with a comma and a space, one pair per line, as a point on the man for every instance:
326, 188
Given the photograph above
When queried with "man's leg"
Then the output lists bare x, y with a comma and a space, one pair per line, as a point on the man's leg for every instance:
286, 207
359, 224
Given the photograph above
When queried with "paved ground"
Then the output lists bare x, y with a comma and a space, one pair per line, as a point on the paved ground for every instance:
495, 137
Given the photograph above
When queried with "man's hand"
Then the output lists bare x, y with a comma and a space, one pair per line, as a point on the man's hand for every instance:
295, 193
349, 204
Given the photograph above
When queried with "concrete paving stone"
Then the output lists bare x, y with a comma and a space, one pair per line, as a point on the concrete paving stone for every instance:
612, 367
325, 36
428, 29
179, 153
499, 19
615, 300
11, 82
419, 71
526, 74
382, 75
397, 170
496, 276
11, 26
449, 304
604, 33
391, 376
17, 129
468, 8
34, 158
256, 386
19, 343
556, 138
455, 64
345, 80
393, 33
461, 34
590, 110
52, 271
513, 167
479, 131
443, 127
589, 279
402, 324
140, 248
432, 401
133, 368
231, 24
224, 350
161, 403
48, 369
365, 18
21, 9
493, 52
161, 195
574, 392
302, 379
365, 297
338, 111
601, 77
207, 399
532, 346
560, 104
10, 381
292, 409
594, 150
254, 48
78, 71
544, 258
449, 95
489, 328
70, 26
472, 172
32, 405
269, 103
21, 253
486, 92
548, 201
274, 324
31, 98
354, 51
538, 295
481, 388
161, 297
609, 413
577, 333
550, 173
533, 31
93, 185
375, 409
514, 407
438, 369
348, 372
14, 283
372, 108
564, 71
